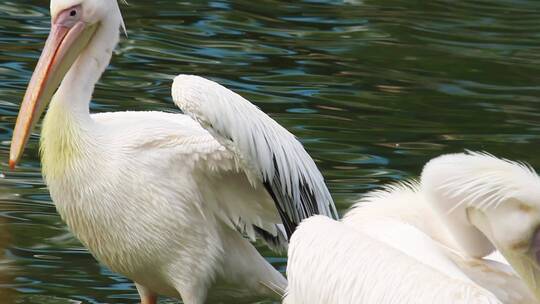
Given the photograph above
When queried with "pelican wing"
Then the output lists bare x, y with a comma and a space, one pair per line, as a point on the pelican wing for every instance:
267, 152
331, 262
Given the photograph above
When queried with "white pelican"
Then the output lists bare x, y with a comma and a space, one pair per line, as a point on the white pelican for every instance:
154, 196
425, 243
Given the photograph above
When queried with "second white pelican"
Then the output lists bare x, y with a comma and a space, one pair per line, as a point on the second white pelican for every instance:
426, 243
164, 199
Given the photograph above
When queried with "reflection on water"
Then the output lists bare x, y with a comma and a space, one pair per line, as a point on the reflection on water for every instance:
372, 88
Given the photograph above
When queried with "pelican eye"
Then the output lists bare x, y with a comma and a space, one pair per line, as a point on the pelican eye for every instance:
69, 16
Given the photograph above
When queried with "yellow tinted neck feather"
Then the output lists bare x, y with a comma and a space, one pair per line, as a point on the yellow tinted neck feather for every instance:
61, 141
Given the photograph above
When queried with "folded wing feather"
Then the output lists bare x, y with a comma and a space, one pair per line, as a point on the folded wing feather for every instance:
267, 152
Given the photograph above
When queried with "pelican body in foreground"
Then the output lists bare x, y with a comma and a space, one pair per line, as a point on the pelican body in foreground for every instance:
426, 243
168, 200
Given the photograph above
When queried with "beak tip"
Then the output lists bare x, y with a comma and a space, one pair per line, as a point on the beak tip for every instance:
12, 164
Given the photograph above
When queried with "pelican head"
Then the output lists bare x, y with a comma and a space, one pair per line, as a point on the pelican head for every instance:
514, 228
74, 23
489, 202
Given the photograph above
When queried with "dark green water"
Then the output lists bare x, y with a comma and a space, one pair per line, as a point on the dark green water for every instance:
373, 88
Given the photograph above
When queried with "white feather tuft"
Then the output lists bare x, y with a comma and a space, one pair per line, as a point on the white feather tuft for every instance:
478, 179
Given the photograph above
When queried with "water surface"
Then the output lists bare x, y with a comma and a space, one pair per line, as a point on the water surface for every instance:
372, 88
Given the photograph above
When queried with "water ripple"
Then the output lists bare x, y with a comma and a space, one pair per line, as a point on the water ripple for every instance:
372, 88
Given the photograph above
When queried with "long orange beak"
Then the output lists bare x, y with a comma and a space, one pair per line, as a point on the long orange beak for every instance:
63, 47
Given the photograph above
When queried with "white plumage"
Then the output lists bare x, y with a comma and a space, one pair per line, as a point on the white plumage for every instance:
421, 243
153, 195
